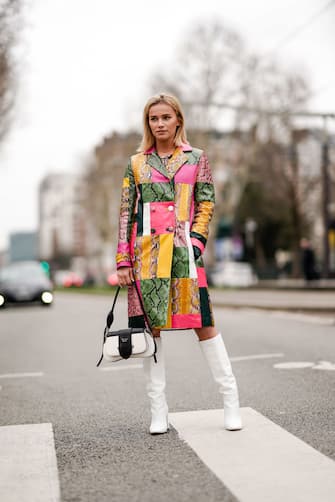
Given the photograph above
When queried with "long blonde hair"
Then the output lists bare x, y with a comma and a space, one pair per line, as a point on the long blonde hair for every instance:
148, 139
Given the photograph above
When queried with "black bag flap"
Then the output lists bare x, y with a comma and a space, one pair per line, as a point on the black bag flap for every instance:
124, 331
125, 345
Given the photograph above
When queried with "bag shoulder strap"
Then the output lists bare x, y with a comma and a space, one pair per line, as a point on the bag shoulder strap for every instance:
110, 316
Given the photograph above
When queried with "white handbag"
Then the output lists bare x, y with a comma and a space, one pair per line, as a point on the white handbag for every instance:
141, 341
127, 343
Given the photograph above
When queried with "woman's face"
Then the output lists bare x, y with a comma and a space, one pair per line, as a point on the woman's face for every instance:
163, 122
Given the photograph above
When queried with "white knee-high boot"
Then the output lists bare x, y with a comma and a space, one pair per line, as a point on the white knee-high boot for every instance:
155, 376
216, 355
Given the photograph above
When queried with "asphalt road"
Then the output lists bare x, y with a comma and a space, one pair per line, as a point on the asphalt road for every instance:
100, 418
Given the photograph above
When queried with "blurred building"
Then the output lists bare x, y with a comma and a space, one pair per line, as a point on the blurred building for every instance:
23, 246
62, 231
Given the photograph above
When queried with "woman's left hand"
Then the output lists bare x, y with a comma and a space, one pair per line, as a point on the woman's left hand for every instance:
125, 276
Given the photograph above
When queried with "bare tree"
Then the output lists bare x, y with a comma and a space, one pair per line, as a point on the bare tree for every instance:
9, 10
206, 69
268, 95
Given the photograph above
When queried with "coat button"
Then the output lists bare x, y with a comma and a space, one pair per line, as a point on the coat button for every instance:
153, 209
169, 229
170, 208
153, 230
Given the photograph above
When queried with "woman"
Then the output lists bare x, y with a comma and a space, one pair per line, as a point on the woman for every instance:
166, 205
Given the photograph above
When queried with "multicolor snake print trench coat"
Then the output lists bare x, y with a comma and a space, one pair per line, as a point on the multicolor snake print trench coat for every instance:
165, 210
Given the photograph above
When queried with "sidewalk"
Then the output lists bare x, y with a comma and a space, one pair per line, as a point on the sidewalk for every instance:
299, 284
320, 301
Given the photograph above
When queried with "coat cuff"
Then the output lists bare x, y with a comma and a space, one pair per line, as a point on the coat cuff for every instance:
198, 244
123, 257
123, 264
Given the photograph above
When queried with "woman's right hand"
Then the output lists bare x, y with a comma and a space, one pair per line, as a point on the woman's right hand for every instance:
125, 276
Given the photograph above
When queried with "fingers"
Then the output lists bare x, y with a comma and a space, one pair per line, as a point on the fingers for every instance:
125, 276
132, 279
129, 277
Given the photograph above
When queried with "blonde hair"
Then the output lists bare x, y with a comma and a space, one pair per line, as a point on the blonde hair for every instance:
148, 139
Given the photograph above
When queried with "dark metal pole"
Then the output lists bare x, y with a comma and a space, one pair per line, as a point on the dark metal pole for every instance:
325, 201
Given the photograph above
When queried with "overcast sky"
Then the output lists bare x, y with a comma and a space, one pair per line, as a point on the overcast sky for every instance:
85, 65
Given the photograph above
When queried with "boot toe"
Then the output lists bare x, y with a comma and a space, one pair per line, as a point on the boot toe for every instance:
232, 419
159, 428
159, 421
233, 426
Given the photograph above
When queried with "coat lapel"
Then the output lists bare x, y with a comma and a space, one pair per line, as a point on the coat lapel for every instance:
177, 160
155, 162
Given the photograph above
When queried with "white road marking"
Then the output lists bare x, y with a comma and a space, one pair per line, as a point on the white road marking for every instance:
294, 365
123, 367
21, 375
260, 463
237, 358
324, 365
28, 465
256, 356
295, 316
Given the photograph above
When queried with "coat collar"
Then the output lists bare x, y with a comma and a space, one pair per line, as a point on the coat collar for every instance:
178, 159
186, 147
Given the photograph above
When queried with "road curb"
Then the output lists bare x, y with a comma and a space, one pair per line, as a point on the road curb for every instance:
283, 308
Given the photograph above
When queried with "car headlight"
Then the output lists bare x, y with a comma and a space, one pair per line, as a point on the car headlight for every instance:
47, 297
2, 300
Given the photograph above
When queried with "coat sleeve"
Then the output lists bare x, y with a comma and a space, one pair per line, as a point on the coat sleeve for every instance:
128, 198
204, 200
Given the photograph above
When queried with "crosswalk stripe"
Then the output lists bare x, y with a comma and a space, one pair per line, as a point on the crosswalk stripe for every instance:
262, 462
28, 465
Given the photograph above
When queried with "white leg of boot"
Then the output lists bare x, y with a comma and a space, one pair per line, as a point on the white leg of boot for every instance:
216, 355
155, 376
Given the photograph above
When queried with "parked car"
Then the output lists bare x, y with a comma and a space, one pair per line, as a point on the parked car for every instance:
233, 274
25, 282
